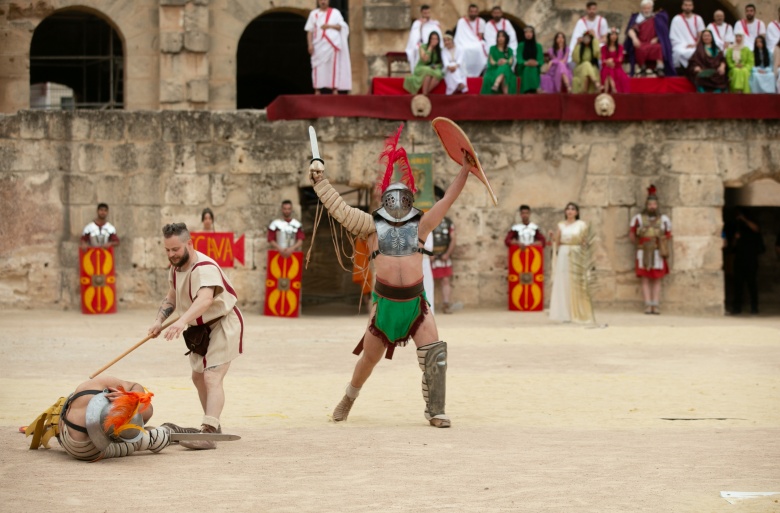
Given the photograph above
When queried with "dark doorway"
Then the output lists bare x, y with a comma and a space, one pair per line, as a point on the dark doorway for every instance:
83, 52
324, 281
761, 252
704, 8
272, 59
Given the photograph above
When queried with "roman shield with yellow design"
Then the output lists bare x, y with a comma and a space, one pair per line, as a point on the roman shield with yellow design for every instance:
98, 282
283, 284
526, 279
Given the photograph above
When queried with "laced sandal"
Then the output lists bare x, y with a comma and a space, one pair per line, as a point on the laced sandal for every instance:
341, 412
440, 423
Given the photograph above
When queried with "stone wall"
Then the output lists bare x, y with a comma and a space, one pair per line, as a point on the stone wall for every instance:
159, 167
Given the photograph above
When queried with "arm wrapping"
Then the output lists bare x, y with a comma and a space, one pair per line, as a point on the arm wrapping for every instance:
354, 220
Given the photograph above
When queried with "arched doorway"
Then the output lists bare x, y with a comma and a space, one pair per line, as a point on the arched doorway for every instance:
81, 53
272, 59
704, 8
751, 234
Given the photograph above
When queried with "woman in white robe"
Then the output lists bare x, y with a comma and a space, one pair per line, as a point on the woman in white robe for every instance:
454, 70
569, 302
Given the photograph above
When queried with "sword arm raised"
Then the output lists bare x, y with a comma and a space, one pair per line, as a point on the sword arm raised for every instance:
354, 220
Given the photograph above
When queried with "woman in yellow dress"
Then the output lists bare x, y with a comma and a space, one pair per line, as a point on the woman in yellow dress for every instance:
740, 62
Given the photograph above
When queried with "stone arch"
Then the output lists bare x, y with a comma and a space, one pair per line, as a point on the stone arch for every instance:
81, 48
272, 58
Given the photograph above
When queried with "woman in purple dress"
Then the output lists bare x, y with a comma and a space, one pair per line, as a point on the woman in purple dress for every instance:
613, 77
557, 79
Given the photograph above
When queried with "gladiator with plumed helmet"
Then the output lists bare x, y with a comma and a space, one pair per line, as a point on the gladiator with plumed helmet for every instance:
396, 233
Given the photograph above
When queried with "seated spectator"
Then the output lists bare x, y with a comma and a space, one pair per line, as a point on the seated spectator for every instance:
648, 41
499, 77
776, 66
707, 66
454, 69
558, 77
420, 32
613, 77
530, 57
428, 71
722, 31
740, 61
762, 78
586, 71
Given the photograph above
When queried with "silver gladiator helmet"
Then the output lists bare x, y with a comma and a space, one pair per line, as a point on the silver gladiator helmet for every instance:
397, 203
98, 408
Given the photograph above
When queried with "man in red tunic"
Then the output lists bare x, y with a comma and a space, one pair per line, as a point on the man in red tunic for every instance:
648, 41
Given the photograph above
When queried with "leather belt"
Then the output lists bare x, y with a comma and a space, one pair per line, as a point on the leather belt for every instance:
399, 293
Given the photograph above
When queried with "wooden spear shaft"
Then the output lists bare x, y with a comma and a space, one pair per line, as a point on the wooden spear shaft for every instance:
136, 346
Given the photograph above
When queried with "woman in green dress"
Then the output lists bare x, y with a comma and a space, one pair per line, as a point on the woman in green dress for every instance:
530, 57
739, 59
499, 77
586, 72
429, 71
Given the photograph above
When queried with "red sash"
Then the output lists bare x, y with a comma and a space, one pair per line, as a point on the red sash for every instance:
694, 35
598, 26
475, 30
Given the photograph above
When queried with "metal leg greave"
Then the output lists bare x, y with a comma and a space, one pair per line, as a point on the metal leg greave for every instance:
432, 359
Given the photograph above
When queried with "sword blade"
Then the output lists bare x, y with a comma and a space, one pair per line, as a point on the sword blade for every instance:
315, 150
214, 437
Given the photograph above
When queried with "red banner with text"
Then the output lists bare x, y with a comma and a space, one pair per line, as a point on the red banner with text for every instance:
219, 246
526, 279
98, 281
283, 284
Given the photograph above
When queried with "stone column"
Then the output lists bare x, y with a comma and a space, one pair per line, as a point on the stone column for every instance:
184, 46
386, 28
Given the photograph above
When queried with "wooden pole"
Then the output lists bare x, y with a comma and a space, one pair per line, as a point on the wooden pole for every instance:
136, 346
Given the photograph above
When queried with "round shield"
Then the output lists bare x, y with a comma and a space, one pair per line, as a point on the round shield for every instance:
455, 143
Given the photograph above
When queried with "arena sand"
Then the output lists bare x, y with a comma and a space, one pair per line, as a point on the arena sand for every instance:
546, 418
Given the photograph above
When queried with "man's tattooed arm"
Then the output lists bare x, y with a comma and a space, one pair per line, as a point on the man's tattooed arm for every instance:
166, 309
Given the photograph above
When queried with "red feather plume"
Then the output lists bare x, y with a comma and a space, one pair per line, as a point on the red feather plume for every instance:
393, 154
651, 190
124, 407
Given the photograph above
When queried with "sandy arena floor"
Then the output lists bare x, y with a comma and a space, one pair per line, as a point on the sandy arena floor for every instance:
546, 418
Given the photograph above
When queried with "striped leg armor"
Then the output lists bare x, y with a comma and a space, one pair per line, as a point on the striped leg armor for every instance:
433, 362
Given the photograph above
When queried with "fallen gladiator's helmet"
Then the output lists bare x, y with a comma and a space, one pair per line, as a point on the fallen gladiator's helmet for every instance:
119, 420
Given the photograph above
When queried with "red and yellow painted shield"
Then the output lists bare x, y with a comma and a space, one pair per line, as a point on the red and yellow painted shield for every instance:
526, 279
98, 282
283, 284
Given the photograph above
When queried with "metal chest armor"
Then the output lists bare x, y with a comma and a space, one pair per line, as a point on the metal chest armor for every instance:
397, 241
526, 233
442, 237
286, 232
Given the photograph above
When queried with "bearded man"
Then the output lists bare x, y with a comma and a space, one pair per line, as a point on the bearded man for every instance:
209, 321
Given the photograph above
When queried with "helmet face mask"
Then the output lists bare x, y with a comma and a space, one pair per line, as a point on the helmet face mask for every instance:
398, 201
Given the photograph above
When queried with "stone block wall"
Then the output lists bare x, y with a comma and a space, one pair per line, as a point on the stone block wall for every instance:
154, 168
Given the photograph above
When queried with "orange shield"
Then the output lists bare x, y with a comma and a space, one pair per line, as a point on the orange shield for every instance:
98, 282
283, 284
526, 279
